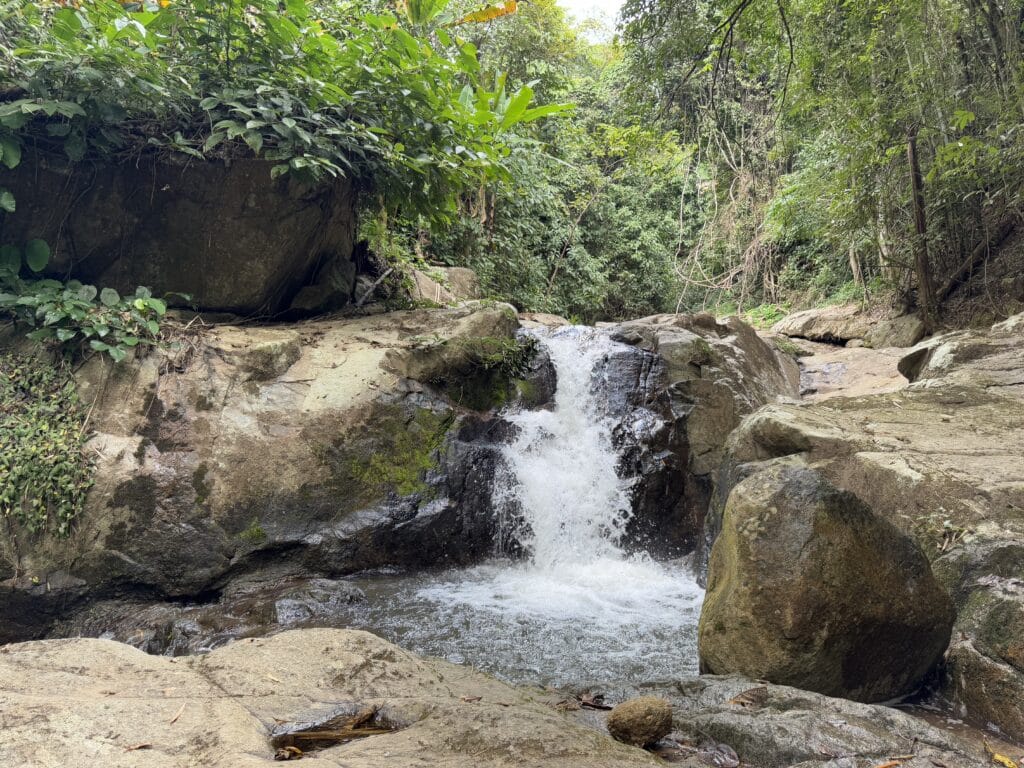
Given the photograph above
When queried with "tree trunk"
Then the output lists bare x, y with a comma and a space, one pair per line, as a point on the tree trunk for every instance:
926, 293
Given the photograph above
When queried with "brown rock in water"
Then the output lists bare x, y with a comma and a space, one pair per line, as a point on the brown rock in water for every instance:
808, 587
641, 721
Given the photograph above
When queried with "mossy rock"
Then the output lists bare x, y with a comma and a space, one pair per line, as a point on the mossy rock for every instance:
808, 587
391, 453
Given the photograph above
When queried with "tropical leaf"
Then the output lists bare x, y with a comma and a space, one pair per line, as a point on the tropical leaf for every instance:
424, 11
490, 13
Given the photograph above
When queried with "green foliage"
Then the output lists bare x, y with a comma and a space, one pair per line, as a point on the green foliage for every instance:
255, 534
765, 315
319, 90
44, 473
801, 113
509, 358
588, 224
70, 313
400, 461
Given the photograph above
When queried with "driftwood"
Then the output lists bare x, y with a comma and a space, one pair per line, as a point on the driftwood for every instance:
976, 257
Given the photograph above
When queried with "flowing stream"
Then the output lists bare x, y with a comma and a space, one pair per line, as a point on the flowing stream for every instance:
577, 610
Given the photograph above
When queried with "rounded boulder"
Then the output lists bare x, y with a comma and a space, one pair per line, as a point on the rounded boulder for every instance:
808, 587
640, 721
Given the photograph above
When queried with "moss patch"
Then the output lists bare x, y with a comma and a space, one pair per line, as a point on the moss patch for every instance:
44, 472
200, 484
254, 534
487, 370
395, 451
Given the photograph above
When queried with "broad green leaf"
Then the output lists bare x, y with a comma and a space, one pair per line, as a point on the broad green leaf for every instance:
37, 255
517, 106
110, 297
10, 151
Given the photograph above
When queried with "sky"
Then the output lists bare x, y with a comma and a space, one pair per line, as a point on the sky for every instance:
582, 9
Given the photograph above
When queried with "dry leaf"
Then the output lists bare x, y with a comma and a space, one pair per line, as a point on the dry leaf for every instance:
490, 13
751, 699
175, 718
141, 745
999, 759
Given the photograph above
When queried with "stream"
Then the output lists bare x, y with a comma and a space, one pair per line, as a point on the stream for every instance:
577, 610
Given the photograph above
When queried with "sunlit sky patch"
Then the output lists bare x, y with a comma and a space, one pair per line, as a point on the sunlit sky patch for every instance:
585, 9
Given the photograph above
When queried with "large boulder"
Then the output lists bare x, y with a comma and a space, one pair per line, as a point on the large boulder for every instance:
941, 460
808, 587
902, 331
303, 451
77, 703
689, 380
834, 325
225, 234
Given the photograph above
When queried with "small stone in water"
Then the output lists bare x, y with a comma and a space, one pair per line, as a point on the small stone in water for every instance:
641, 721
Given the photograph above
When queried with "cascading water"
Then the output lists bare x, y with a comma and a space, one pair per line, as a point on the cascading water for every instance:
578, 610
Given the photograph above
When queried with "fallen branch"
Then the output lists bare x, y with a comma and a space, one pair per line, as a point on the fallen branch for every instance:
372, 288
976, 257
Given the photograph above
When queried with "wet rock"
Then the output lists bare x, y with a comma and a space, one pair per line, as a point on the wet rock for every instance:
808, 587
686, 384
640, 721
317, 451
833, 325
78, 702
247, 609
772, 726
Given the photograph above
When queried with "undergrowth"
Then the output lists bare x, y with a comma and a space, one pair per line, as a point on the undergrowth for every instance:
44, 471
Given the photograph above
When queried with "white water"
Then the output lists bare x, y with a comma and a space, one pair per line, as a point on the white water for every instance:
579, 610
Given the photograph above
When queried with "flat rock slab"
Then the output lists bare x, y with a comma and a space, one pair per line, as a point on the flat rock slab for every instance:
849, 372
773, 726
70, 703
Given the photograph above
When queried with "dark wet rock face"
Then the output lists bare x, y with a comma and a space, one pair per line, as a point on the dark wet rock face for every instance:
678, 387
188, 227
252, 608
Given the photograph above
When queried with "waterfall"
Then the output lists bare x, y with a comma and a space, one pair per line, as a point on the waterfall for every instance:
561, 472
578, 609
